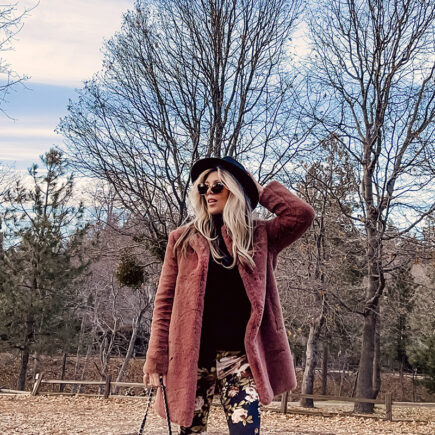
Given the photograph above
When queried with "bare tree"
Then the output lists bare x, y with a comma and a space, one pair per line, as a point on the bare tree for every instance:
329, 244
182, 80
321, 270
141, 305
11, 22
117, 292
372, 86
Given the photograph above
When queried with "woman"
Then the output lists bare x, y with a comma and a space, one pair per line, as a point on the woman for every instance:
217, 321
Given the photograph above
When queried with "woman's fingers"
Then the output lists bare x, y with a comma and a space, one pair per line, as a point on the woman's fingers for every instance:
146, 379
153, 380
149, 379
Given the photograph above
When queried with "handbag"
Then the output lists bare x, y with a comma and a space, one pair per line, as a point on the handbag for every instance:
162, 386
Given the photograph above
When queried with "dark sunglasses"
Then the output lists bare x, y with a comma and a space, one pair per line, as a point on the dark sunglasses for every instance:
216, 188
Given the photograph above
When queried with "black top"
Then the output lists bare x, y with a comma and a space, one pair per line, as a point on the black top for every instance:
226, 305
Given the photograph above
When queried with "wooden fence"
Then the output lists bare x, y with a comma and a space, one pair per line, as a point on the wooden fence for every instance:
108, 384
387, 401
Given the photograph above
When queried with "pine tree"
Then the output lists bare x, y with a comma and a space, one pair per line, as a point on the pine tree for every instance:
40, 262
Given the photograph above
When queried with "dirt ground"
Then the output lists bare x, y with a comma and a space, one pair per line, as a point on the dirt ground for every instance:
58, 414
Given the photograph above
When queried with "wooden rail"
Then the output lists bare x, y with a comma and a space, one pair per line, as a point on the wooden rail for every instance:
387, 401
9, 391
108, 384
321, 397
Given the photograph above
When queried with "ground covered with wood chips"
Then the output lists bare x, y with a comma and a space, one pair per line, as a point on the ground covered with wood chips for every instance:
123, 415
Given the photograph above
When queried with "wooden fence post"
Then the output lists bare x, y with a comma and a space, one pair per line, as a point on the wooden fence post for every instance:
38, 379
284, 399
388, 407
107, 386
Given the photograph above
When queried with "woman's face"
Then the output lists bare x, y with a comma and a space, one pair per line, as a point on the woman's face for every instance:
215, 201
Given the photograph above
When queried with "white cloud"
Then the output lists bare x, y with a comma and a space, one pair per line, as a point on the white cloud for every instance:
23, 153
28, 132
61, 41
27, 138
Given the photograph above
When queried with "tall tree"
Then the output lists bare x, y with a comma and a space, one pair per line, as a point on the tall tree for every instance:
40, 261
329, 243
185, 79
372, 86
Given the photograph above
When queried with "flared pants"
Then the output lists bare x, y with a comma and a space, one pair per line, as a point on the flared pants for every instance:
230, 375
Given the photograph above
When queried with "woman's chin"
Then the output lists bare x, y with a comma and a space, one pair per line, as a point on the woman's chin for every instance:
214, 211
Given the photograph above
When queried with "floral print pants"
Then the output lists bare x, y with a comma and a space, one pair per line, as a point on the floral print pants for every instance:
238, 394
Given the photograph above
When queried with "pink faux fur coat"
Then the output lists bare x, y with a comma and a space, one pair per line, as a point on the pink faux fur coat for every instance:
177, 318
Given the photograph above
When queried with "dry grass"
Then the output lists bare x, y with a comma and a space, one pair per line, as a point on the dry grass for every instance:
123, 415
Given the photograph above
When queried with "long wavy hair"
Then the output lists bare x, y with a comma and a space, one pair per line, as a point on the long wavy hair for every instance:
237, 216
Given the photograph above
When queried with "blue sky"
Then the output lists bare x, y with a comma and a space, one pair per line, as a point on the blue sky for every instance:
59, 46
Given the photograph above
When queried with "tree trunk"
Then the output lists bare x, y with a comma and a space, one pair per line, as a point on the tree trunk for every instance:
21, 383
402, 379
377, 359
414, 374
106, 352
36, 363
364, 386
311, 360
25, 354
136, 325
354, 384
79, 346
325, 369
62, 374
343, 374
304, 356
77, 388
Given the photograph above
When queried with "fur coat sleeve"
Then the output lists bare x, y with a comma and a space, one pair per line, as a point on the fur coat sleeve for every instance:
157, 360
293, 216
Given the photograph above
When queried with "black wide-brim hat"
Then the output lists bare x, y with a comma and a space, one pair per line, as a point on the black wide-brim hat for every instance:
232, 166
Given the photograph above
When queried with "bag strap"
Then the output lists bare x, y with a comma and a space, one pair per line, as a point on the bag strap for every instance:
162, 386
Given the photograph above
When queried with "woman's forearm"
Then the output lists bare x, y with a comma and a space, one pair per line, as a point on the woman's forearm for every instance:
293, 215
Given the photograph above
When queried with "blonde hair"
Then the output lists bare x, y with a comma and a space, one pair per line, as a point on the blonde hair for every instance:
237, 216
